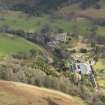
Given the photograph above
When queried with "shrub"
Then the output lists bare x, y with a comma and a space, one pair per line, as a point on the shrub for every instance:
82, 50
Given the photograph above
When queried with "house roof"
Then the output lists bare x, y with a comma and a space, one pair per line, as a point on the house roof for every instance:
84, 68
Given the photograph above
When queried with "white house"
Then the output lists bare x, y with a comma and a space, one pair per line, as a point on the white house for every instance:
84, 68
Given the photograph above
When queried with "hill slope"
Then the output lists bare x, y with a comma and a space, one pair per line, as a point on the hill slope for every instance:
10, 44
91, 9
21, 94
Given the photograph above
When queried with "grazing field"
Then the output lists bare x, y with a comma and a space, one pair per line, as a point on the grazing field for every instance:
10, 44
20, 21
20, 94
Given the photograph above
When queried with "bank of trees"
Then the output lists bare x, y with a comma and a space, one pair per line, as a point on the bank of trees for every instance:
15, 70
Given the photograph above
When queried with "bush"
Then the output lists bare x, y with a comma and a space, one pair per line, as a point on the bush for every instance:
82, 50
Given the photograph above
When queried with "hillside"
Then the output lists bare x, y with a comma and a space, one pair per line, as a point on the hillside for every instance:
92, 9
22, 94
10, 44
41, 43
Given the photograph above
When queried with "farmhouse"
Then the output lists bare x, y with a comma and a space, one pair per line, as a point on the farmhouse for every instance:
53, 44
62, 37
83, 67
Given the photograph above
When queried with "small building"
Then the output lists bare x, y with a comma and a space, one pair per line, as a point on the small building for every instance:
84, 68
62, 37
53, 44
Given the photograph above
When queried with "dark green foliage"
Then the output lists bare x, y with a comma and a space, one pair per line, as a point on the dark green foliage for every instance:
45, 68
86, 3
23, 7
38, 7
35, 7
32, 53
82, 50
47, 5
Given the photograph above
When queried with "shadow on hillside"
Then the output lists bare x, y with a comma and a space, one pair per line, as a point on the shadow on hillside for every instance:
50, 101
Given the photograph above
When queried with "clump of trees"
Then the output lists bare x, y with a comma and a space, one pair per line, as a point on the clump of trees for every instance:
82, 50
87, 3
16, 71
32, 53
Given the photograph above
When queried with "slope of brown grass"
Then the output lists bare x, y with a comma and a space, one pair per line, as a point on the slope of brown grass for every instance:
21, 94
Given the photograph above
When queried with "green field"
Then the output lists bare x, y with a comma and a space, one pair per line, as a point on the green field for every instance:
18, 21
10, 45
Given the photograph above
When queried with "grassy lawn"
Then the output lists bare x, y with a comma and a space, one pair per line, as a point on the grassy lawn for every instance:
70, 26
100, 64
99, 69
9, 45
101, 31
